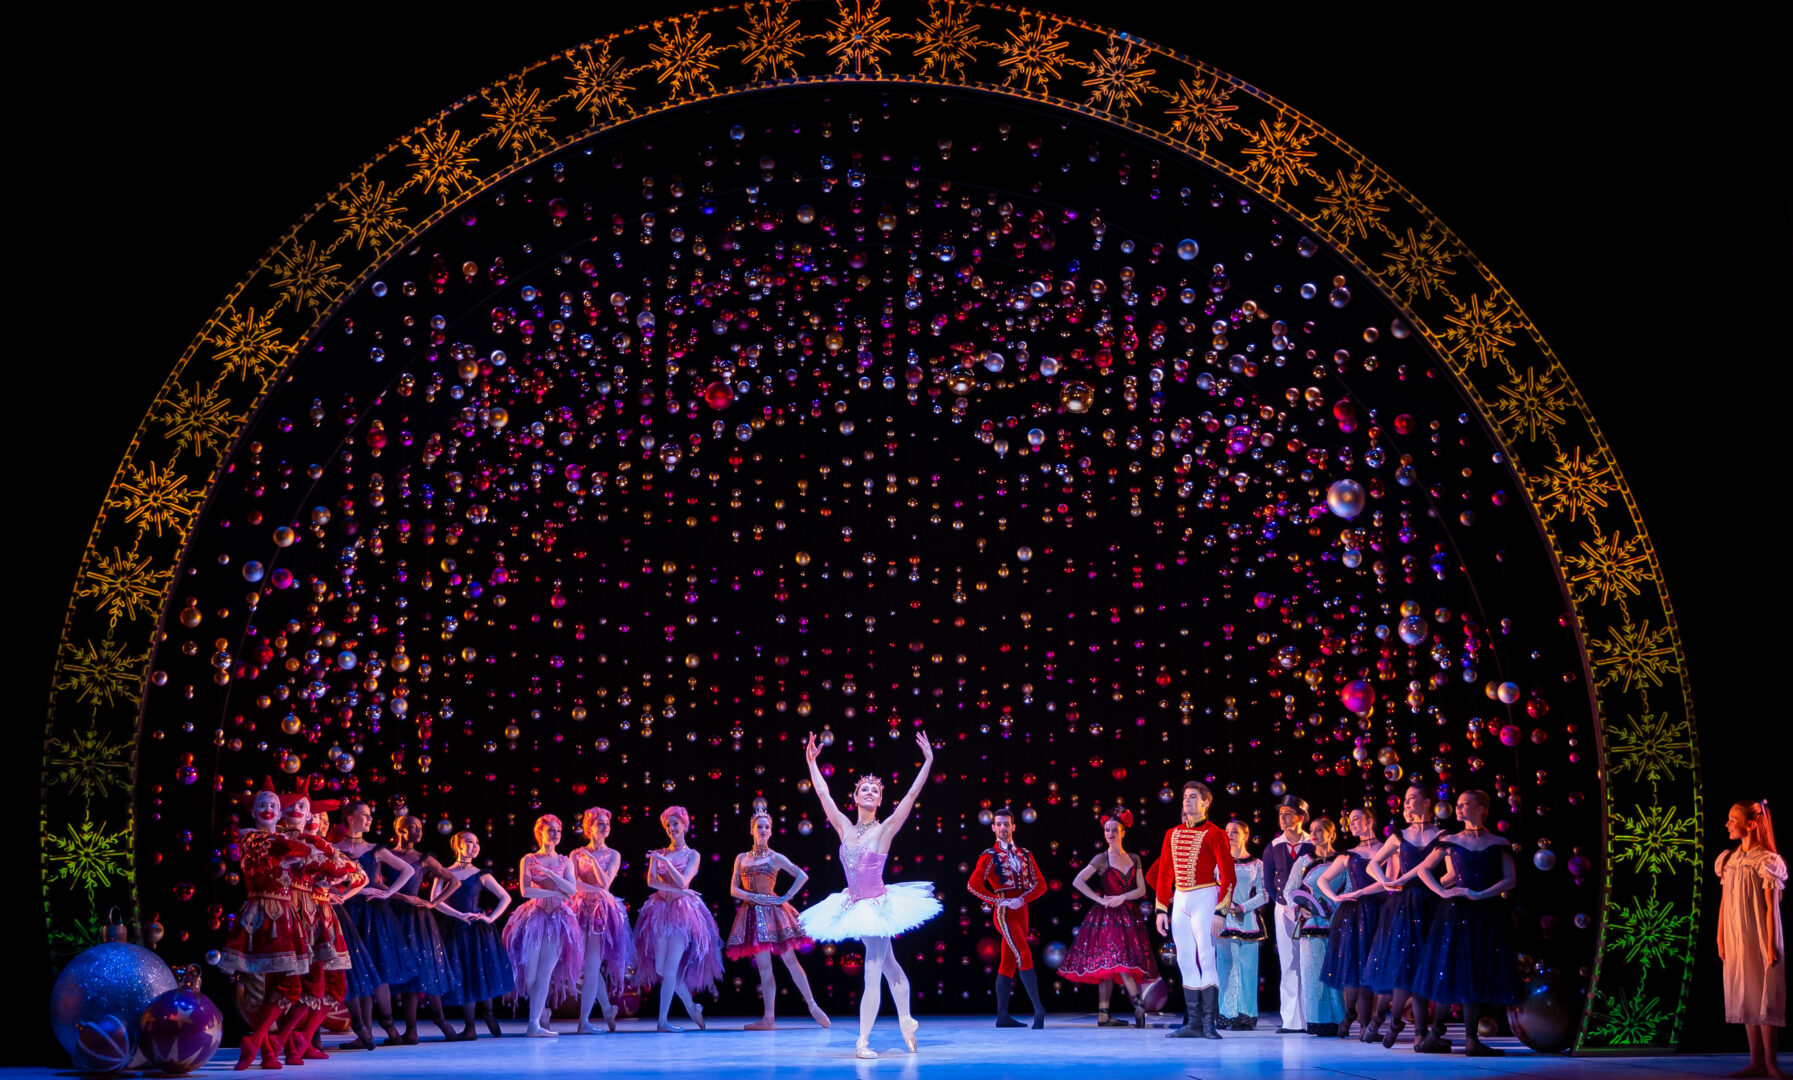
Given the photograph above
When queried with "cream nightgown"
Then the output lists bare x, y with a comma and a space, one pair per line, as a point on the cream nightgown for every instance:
1755, 993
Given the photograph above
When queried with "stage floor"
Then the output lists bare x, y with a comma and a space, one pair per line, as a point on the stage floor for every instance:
1070, 1046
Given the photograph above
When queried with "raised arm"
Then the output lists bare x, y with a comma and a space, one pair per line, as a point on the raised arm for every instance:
812, 750
901, 813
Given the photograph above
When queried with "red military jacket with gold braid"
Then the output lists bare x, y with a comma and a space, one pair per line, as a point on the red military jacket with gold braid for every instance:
1193, 857
1004, 875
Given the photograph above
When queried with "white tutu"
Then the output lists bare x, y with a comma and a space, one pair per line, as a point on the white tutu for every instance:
904, 906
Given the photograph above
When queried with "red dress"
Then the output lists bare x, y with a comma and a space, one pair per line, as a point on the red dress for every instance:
267, 938
1112, 940
320, 931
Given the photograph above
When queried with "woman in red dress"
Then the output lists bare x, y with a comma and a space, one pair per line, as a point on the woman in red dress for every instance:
1111, 946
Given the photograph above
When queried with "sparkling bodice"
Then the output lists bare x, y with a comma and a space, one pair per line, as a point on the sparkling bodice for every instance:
1477, 869
865, 871
466, 895
1357, 872
760, 875
415, 881
586, 868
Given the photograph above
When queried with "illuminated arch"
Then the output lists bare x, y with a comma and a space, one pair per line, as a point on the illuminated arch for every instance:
1633, 659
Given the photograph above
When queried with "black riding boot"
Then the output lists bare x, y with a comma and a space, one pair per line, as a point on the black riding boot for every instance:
1031, 983
1210, 996
1192, 1016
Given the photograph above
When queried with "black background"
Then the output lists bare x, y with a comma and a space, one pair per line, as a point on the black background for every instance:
1628, 183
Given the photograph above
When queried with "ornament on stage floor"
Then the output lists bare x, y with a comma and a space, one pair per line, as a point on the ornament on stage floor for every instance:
103, 1045
1053, 955
628, 1003
1548, 1012
1155, 995
181, 1029
114, 980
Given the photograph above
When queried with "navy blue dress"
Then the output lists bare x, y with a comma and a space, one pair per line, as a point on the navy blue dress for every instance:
1401, 929
1353, 928
363, 975
475, 953
1468, 957
378, 928
423, 940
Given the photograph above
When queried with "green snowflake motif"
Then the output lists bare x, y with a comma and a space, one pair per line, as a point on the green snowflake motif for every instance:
88, 855
1648, 932
1649, 747
90, 763
1655, 839
1628, 1022
68, 940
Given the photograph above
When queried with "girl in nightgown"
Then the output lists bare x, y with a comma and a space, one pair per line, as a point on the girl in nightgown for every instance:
1749, 934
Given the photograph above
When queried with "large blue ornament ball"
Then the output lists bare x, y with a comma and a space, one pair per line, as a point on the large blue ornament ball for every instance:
114, 979
180, 1031
1547, 1015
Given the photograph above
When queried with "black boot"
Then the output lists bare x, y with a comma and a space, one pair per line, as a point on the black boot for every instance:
1004, 987
1210, 998
1030, 982
1192, 1016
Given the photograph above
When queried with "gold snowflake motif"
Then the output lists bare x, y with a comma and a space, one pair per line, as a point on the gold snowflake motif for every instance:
1279, 153
442, 161
770, 39
599, 83
859, 36
199, 419
1420, 262
102, 673
519, 117
248, 344
90, 763
1530, 403
156, 498
1033, 52
124, 585
1655, 838
306, 277
1352, 203
1649, 747
1610, 568
1634, 655
946, 39
88, 855
371, 215
1576, 485
1480, 331
683, 56
1116, 77
1201, 111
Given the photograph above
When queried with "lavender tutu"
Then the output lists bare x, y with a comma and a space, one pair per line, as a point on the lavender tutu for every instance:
531, 926
602, 916
701, 966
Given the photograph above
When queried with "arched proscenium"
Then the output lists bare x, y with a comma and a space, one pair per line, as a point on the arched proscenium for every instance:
1634, 663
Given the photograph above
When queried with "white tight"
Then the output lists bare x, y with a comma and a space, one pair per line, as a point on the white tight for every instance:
881, 963
539, 977
768, 991
668, 951
591, 988
1192, 928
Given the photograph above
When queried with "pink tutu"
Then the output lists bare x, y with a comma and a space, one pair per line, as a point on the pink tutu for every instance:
529, 927
701, 966
602, 916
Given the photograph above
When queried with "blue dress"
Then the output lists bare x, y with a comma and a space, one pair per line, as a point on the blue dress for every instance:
1353, 928
481, 967
1321, 1003
363, 975
1401, 929
377, 925
423, 940
1468, 957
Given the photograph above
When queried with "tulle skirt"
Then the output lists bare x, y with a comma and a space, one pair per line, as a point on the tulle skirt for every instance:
1111, 942
602, 916
362, 977
383, 936
700, 968
1468, 956
1348, 946
530, 927
482, 968
903, 906
1400, 933
761, 928
423, 941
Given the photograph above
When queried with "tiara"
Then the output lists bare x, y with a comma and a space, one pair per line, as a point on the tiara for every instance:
869, 778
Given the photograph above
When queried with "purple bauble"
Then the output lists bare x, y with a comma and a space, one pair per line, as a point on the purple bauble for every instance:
180, 1031
102, 1045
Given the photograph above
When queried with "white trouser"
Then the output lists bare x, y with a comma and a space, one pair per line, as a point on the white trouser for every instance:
1288, 964
1192, 928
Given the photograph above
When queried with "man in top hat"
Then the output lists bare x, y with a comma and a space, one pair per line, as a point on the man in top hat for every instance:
1007, 879
1279, 858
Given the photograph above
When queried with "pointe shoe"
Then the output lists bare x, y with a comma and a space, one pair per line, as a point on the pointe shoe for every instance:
466, 1034
762, 1024
537, 1031
270, 1053
860, 1050
585, 1027
909, 1027
1474, 1047
697, 1014
493, 1026
820, 1017
610, 1019
1394, 1032
673, 1029
1139, 1015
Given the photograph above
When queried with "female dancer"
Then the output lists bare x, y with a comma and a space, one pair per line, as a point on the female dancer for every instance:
1353, 925
1468, 955
481, 967
1749, 934
867, 909
1112, 945
1242, 933
370, 913
1323, 1006
423, 938
543, 937
677, 943
766, 923
609, 951
1406, 915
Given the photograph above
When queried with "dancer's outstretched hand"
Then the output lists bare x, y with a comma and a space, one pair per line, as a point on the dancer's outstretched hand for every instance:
813, 749
927, 748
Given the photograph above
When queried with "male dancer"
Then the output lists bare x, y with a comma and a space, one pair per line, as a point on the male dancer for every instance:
1007, 879
1193, 879
1279, 858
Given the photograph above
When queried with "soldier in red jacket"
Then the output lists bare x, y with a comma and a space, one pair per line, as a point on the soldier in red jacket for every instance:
1193, 879
1007, 879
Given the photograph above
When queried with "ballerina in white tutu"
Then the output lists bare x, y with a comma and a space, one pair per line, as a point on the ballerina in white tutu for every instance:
867, 910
